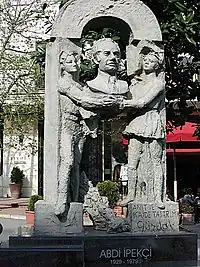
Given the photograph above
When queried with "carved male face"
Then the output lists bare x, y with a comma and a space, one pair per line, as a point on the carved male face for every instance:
150, 62
69, 62
107, 55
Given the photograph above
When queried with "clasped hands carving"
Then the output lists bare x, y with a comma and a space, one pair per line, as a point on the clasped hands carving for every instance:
112, 101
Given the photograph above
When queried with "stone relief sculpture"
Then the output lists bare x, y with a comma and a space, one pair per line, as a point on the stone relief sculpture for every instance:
107, 92
75, 124
146, 130
101, 215
107, 56
71, 134
75, 103
103, 93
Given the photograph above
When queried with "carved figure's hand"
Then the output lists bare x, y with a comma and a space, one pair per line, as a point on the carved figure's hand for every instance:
139, 104
98, 102
88, 102
110, 100
126, 104
132, 104
101, 101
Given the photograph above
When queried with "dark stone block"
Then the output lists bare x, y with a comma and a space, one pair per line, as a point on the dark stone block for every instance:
40, 257
43, 251
99, 249
45, 241
148, 264
148, 250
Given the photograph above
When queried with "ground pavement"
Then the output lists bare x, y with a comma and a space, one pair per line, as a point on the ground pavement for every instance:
11, 208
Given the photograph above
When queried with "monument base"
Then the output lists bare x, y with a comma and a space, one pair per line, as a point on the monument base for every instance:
47, 223
99, 249
149, 218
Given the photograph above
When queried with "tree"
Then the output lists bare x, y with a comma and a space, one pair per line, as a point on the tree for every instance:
22, 50
180, 25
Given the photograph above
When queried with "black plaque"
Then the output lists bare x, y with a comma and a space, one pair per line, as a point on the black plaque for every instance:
141, 250
100, 249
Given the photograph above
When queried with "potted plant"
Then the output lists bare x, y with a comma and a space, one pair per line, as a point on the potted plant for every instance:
187, 214
110, 190
16, 178
30, 212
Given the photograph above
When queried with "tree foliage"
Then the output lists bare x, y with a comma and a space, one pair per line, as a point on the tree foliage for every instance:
22, 24
110, 190
180, 25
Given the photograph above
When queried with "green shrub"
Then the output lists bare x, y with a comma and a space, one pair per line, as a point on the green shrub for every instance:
17, 176
110, 190
186, 208
32, 200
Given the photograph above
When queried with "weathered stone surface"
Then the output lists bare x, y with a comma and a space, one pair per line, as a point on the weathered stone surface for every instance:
73, 108
71, 123
106, 80
75, 121
47, 223
148, 218
52, 135
75, 218
71, 133
25, 230
134, 13
51, 158
146, 129
101, 215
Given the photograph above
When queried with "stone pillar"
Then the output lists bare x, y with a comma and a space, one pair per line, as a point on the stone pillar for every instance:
47, 223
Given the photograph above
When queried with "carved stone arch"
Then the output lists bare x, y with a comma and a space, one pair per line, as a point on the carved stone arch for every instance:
110, 22
75, 14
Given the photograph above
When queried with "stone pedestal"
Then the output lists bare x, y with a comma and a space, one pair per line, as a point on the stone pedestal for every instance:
148, 218
47, 223
40, 257
100, 249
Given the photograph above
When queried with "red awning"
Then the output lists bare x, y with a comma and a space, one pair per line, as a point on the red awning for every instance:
183, 133
185, 151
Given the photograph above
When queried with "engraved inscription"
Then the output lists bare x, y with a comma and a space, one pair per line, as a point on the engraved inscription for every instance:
148, 218
119, 256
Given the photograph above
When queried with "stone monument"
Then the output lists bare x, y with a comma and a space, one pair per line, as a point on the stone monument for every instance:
79, 105
73, 109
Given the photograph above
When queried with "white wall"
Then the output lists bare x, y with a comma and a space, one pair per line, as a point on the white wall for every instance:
24, 156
